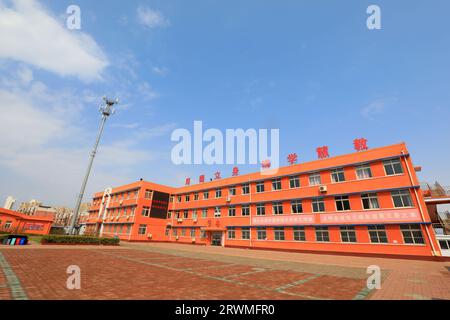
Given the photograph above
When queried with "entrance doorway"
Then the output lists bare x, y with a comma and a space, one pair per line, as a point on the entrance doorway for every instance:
216, 239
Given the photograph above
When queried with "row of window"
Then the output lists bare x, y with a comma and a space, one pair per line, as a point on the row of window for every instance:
400, 199
391, 167
118, 197
412, 234
6, 225
118, 228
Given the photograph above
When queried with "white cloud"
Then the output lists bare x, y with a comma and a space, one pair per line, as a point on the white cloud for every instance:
151, 18
161, 71
147, 92
376, 107
30, 34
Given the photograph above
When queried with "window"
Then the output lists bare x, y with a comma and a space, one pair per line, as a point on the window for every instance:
294, 182
299, 234
318, 205
412, 233
444, 244
342, 203
202, 234
401, 199
183, 232
204, 213
218, 193
245, 231
196, 196
185, 214
260, 187
148, 194
276, 184
142, 229
245, 210
278, 233
370, 201
363, 172
377, 234
194, 214
187, 198
392, 167
179, 198
217, 212
192, 233
260, 209
348, 234
146, 211
133, 209
205, 195
169, 214
174, 232
177, 214
322, 234
296, 206
232, 191
232, 211
261, 233
277, 208
315, 179
245, 189
7, 224
337, 175
231, 233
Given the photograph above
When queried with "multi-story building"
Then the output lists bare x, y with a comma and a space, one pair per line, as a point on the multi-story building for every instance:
369, 202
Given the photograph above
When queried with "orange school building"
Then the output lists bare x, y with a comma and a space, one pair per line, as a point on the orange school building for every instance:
368, 202
16, 222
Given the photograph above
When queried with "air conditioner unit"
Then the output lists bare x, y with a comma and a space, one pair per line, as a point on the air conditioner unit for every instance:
195, 220
149, 235
121, 201
180, 220
323, 189
117, 218
128, 218
193, 239
228, 199
177, 238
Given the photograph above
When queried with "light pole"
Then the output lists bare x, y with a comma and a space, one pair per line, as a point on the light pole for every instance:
106, 109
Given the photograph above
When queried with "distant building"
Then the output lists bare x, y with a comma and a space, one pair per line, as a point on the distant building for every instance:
36, 208
9, 203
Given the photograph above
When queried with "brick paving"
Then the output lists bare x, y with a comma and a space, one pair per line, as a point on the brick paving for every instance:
172, 271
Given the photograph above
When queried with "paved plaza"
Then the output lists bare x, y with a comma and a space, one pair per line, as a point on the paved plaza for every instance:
173, 271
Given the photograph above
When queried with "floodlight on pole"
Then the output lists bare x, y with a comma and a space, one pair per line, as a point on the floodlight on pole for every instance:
106, 109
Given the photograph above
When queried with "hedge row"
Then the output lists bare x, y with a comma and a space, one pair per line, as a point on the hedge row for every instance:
57, 239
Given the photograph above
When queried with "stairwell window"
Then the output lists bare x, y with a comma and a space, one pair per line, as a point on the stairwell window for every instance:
342, 203
378, 234
260, 209
392, 167
412, 234
363, 172
401, 199
318, 205
277, 208
315, 179
337, 175
296, 206
279, 233
370, 201
260, 187
294, 182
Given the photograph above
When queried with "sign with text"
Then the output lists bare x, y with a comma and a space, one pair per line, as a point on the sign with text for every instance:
381, 216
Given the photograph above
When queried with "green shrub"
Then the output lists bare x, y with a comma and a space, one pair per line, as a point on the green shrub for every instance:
57, 239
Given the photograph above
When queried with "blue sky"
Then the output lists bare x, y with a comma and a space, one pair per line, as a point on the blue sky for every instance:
309, 68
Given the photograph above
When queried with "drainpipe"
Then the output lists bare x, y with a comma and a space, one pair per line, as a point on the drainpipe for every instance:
420, 205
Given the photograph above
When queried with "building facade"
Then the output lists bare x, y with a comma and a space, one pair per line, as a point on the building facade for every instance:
20, 223
369, 202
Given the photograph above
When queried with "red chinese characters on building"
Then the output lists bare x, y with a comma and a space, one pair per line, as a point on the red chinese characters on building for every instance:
235, 172
322, 152
266, 164
292, 158
360, 144
201, 179
217, 175
188, 181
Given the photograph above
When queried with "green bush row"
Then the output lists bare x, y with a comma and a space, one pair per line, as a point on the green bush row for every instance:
57, 239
